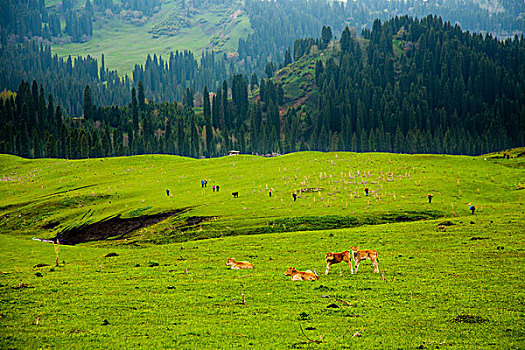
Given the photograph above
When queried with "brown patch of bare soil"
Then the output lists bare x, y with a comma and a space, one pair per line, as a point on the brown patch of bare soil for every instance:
112, 227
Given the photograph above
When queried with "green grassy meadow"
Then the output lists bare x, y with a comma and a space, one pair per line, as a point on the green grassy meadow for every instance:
167, 285
124, 44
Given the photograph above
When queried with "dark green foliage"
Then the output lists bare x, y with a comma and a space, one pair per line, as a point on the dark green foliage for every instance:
326, 36
88, 103
302, 47
410, 86
141, 98
269, 69
426, 98
287, 57
277, 24
468, 319
208, 128
66, 78
240, 95
308, 223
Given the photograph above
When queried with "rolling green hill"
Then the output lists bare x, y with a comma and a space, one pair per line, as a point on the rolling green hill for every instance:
457, 288
124, 43
55, 196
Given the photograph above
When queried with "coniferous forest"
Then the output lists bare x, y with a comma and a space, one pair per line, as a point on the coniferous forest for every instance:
402, 85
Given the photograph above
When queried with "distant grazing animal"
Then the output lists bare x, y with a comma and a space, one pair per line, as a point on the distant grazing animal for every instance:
235, 194
442, 228
237, 265
336, 258
301, 275
360, 255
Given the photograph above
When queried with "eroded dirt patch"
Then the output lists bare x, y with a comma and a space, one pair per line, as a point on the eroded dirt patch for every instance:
112, 227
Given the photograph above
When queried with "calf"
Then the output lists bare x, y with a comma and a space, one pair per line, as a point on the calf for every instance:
235, 194
360, 255
301, 275
237, 265
336, 258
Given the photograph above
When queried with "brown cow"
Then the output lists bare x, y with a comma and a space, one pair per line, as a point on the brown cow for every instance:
301, 275
237, 265
336, 258
360, 255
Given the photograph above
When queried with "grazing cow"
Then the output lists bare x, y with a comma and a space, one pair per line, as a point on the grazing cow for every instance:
336, 258
237, 265
301, 275
235, 194
360, 255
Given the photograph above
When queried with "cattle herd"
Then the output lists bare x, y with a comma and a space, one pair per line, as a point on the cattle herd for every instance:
330, 258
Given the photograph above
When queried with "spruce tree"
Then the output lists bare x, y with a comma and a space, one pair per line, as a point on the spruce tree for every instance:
134, 109
326, 36
287, 57
141, 97
88, 103
207, 123
346, 41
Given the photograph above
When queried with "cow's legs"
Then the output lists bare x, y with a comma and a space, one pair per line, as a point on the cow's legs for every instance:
350, 265
328, 264
376, 267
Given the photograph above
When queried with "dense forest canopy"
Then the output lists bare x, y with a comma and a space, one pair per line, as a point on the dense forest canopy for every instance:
407, 85
275, 27
72, 20
277, 24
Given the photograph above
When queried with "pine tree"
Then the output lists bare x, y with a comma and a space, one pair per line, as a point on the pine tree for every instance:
141, 97
102, 69
269, 69
188, 98
287, 57
88, 103
83, 145
208, 128
253, 81
326, 36
134, 109
346, 41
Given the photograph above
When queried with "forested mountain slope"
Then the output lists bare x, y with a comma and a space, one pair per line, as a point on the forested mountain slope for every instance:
411, 86
407, 86
175, 45
276, 24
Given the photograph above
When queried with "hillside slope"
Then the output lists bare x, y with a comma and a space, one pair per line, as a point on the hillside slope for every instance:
90, 200
455, 286
125, 43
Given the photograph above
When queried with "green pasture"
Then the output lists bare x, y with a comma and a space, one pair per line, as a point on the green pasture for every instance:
124, 44
45, 197
461, 288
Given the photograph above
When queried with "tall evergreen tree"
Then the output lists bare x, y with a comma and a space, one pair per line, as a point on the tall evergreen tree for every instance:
326, 36
88, 103
141, 97
287, 57
208, 123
